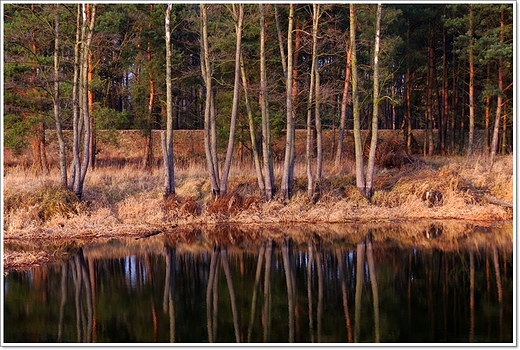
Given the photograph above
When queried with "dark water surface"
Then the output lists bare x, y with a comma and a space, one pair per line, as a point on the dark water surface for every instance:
194, 286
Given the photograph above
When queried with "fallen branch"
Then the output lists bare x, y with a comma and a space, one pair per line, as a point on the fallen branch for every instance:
497, 201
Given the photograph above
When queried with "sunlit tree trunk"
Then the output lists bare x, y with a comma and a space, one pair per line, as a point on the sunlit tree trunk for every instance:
360, 170
252, 131
408, 97
471, 86
428, 142
167, 138
148, 152
290, 125
494, 141
56, 100
281, 41
209, 117
266, 129
312, 89
238, 16
81, 122
344, 104
373, 142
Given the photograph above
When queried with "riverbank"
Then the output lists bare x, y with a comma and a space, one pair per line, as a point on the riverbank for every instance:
124, 201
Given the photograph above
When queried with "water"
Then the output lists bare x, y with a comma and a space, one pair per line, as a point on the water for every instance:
327, 285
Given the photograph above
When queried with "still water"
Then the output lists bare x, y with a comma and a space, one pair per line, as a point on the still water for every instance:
263, 286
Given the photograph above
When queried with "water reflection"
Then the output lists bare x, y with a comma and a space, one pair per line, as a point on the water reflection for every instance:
227, 285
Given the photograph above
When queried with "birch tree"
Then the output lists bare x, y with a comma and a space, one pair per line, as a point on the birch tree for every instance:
290, 126
81, 116
167, 137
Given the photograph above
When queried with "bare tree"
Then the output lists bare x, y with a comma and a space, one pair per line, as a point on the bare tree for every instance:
167, 138
264, 106
238, 16
56, 99
289, 143
344, 102
81, 116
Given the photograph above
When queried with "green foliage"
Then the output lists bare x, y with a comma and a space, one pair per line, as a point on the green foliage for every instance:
16, 132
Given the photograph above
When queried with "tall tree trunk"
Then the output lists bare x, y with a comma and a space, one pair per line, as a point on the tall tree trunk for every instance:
238, 16
88, 13
408, 97
56, 100
264, 105
285, 187
167, 139
74, 171
90, 99
360, 171
319, 139
281, 41
429, 94
148, 151
373, 141
344, 104
471, 84
494, 140
312, 88
252, 131
445, 96
209, 139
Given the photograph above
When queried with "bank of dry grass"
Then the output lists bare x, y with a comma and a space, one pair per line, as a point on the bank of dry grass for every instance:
126, 196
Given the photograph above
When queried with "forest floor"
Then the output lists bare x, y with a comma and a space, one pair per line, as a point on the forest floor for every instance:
42, 221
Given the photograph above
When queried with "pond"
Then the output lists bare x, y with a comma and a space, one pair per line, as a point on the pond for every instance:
421, 283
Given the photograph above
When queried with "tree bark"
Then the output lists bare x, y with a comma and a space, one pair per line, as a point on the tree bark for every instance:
360, 171
289, 142
373, 141
494, 141
209, 139
169, 182
264, 105
344, 104
471, 84
56, 100
238, 17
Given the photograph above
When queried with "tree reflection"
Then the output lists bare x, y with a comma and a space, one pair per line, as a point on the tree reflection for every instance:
366, 246
344, 291
169, 289
81, 278
289, 281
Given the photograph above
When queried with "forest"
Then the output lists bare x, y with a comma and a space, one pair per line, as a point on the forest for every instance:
250, 72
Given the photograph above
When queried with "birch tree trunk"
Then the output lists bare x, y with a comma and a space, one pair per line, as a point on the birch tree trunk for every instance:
264, 105
360, 171
312, 88
373, 141
238, 16
80, 97
344, 103
494, 140
209, 122
56, 100
289, 143
167, 138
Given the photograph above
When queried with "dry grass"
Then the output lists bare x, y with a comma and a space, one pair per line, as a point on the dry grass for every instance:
121, 199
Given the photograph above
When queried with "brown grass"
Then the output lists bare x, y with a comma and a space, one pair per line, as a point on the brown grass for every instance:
121, 199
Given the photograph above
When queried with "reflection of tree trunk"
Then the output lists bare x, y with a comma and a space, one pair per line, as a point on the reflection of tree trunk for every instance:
169, 290
309, 287
64, 267
88, 295
267, 289
290, 292
471, 297
209, 292
340, 256
319, 263
76, 278
92, 279
360, 254
227, 271
497, 273
255, 289
373, 282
